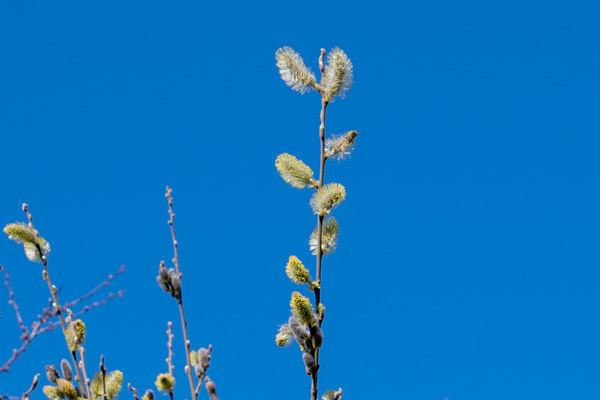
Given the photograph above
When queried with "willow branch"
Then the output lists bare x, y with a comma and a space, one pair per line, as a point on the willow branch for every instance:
34, 384
43, 323
315, 370
186, 341
133, 391
56, 304
170, 347
103, 373
13, 302
92, 292
82, 366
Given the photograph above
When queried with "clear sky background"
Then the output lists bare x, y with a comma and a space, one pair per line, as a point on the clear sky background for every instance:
468, 262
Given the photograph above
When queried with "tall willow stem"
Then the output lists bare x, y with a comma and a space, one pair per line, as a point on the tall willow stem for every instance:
186, 340
315, 371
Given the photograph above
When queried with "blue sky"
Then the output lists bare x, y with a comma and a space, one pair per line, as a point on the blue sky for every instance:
468, 259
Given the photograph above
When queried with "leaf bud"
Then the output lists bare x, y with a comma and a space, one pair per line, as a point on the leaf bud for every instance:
52, 373
204, 358
148, 395
309, 360
175, 281
316, 335
298, 330
66, 369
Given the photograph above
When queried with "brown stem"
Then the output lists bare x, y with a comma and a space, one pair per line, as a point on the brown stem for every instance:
314, 391
13, 302
186, 341
103, 372
170, 347
82, 366
63, 324
199, 385
37, 327
56, 304
133, 391
92, 292
34, 384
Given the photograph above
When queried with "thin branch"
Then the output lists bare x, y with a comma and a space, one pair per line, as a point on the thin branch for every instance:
13, 302
204, 368
56, 304
186, 341
133, 391
97, 304
34, 385
324, 103
82, 366
37, 327
92, 292
199, 385
103, 374
170, 347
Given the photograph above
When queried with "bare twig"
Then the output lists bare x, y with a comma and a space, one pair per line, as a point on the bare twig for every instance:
82, 366
199, 385
133, 391
13, 302
186, 341
43, 323
92, 292
170, 347
34, 385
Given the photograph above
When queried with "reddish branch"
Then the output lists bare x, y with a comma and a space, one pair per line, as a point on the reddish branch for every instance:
44, 322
